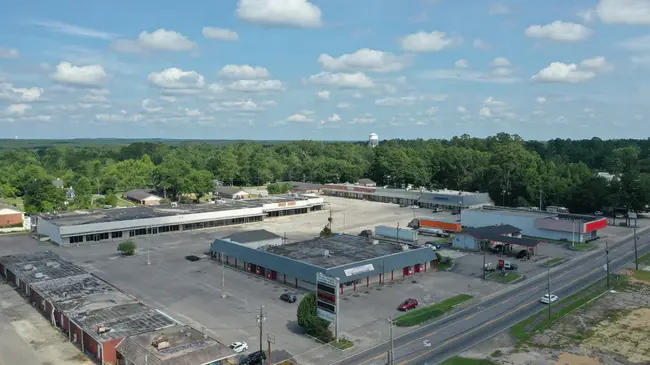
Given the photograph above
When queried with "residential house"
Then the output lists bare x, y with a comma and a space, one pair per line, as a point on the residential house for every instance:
143, 197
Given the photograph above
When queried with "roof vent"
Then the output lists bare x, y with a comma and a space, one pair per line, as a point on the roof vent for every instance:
28, 267
174, 204
404, 247
326, 253
39, 275
101, 329
161, 343
374, 242
52, 264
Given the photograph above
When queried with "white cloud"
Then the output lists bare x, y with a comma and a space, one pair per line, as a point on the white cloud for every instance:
496, 9
16, 94
461, 109
357, 95
481, 44
540, 100
588, 16
365, 119
632, 12
334, 118
255, 86
297, 13
431, 111
422, 42
299, 118
562, 72
364, 59
70, 29
191, 112
323, 95
122, 116
640, 44
220, 33
244, 72
500, 62
93, 99
559, 31
174, 78
18, 109
90, 75
461, 64
409, 100
9, 53
344, 105
599, 64
342, 80
492, 102
246, 105
151, 106
497, 76
158, 40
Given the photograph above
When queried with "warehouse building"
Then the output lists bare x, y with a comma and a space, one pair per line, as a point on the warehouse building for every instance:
356, 261
255, 239
446, 199
538, 224
11, 218
93, 314
306, 188
123, 223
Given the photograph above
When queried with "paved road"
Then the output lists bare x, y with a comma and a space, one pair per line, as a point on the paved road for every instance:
440, 340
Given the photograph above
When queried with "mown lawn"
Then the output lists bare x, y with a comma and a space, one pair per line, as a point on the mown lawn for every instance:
425, 314
641, 275
496, 276
456, 360
553, 261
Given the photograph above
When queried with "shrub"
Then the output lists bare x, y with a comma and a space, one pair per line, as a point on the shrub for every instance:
127, 248
308, 320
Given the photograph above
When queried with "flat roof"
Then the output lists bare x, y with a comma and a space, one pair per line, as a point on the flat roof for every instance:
341, 250
139, 212
382, 190
186, 346
41, 266
538, 213
285, 198
84, 298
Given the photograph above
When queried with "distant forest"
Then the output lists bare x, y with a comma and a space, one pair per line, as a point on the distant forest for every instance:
513, 171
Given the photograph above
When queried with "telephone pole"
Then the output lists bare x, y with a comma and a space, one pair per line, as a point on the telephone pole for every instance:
223, 280
260, 321
270, 339
540, 198
607, 262
392, 345
484, 244
636, 255
549, 293
148, 230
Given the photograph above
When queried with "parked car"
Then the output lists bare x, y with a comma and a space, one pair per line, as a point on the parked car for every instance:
599, 213
433, 244
619, 215
239, 346
255, 358
488, 267
443, 234
507, 265
408, 304
366, 233
522, 253
289, 297
414, 206
546, 299
403, 205
437, 210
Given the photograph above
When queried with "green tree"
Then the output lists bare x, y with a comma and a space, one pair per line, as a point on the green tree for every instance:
279, 188
310, 322
42, 196
127, 248
111, 199
326, 232
199, 182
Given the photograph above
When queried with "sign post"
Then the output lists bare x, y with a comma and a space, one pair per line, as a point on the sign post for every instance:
327, 300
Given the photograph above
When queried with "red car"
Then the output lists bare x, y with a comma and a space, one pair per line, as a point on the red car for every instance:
408, 304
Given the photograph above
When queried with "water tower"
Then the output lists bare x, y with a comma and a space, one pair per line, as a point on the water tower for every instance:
373, 140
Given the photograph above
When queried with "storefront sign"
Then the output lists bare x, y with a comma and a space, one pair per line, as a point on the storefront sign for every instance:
359, 270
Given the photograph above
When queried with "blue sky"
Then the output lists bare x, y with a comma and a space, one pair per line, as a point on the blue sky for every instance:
324, 69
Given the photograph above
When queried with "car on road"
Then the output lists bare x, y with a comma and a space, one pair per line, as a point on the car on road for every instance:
408, 304
619, 215
546, 299
433, 245
414, 207
289, 297
598, 213
192, 258
255, 358
437, 210
239, 346
521, 254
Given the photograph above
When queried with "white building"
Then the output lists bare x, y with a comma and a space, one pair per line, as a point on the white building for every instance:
373, 140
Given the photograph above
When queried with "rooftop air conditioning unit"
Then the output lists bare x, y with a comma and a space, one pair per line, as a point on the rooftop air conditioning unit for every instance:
404, 247
326, 253
174, 204
52, 264
161, 343
28, 267
39, 275
374, 242
101, 329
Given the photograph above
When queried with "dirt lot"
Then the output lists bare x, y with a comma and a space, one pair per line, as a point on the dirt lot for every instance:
614, 329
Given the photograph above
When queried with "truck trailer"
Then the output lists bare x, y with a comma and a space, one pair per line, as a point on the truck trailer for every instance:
432, 223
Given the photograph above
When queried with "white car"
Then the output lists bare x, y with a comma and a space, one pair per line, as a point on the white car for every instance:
239, 346
546, 299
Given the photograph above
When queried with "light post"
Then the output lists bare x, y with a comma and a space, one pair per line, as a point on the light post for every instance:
148, 230
636, 255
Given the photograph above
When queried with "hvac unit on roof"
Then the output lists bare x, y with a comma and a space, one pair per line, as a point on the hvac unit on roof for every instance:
28, 267
39, 275
101, 329
160, 343
52, 264
374, 242
326, 253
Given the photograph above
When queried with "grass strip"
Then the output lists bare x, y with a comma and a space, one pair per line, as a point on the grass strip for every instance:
425, 314
504, 279
342, 344
553, 261
582, 246
457, 360
641, 275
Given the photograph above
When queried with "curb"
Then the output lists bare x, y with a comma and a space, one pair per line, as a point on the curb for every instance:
520, 278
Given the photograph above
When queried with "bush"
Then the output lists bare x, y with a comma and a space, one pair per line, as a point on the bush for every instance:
111, 199
326, 232
279, 188
312, 324
127, 248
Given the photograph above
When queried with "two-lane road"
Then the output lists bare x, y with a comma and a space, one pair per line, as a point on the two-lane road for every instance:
442, 339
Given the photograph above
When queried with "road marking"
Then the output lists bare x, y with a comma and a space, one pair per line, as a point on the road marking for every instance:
426, 343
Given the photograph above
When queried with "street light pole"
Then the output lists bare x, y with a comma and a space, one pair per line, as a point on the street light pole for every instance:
636, 255
484, 254
607, 262
148, 245
260, 320
392, 345
223, 280
549, 293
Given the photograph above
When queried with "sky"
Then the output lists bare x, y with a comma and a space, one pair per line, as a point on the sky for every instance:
324, 69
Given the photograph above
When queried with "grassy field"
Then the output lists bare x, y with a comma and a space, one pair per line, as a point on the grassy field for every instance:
15, 202
641, 275
425, 314
553, 261
456, 360
512, 276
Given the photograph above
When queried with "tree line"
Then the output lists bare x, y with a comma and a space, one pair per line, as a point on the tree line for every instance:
513, 171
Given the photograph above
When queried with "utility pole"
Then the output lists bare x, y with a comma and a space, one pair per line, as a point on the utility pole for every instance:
607, 262
270, 339
260, 320
636, 255
549, 293
484, 257
148, 245
540, 198
398, 233
391, 353
223, 280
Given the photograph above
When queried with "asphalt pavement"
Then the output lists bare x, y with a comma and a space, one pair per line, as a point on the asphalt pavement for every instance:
437, 341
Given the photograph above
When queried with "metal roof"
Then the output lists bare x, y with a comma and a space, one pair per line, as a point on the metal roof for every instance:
141, 194
496, 229
228, 190
252, 236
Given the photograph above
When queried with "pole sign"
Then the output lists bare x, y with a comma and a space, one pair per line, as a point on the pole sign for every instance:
327, 297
